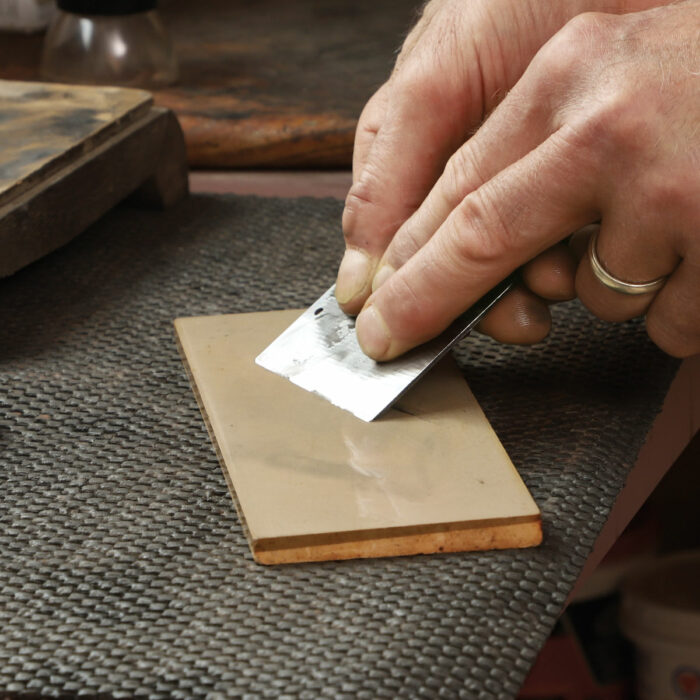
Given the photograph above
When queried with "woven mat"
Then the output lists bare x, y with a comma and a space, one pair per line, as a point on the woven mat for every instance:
124, 569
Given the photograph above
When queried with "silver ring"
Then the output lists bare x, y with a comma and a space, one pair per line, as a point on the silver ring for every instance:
618, 285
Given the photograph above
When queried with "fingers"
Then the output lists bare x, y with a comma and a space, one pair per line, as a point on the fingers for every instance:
516, 189
513, 217
632, 254
358, 265
428, 109
520, 318
672, 320
629, 253
516, 127
552, 274
404, 160
368, 126
457, 63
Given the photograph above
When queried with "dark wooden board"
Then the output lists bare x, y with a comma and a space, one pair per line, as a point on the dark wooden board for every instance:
267, 83
70, 153
45, 127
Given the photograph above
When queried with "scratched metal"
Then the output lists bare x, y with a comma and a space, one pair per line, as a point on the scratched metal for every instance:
320, 353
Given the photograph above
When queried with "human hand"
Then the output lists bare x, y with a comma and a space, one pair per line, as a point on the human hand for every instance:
454, 67
603, 125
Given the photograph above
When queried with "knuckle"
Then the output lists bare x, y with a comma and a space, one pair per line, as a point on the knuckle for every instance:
461, 174
405, 244
361, 197
373, 105
367, 190
565, 53
610, 120
433, 73
613, 127
356, 200
481, 233
411, 312
412, 85
619, 123
586, 29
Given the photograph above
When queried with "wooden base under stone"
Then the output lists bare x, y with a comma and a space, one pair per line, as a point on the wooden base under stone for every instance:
70, 153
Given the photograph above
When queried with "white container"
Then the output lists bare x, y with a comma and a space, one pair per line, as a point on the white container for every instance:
661, 615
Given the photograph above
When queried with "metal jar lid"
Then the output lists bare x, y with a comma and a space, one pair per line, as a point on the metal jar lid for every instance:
106, 7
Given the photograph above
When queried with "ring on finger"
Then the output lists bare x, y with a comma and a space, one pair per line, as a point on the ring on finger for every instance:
616, 284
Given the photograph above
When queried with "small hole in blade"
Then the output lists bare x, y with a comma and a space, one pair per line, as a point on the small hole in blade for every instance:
318, 311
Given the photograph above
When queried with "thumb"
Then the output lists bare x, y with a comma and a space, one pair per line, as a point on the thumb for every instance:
511, 218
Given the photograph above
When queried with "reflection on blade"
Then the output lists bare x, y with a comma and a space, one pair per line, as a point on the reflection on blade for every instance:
319, 352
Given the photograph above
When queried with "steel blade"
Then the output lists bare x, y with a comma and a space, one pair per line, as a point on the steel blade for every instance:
320, 353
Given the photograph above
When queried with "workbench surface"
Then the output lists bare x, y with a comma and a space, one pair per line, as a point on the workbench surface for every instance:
125, 570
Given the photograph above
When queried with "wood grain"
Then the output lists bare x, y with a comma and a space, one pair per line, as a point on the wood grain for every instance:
267, 83
43, 127
279, 83
70, 154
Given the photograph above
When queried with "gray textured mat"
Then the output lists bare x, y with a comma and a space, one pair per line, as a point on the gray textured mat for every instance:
124, 570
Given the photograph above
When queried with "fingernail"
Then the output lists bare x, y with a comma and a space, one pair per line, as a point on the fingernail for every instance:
385, 271
353, 275
373, 333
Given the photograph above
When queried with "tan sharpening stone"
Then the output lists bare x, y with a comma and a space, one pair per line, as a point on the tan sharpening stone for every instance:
312, 482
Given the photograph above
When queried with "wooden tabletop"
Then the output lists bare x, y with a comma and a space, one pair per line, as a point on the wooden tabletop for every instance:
269, 83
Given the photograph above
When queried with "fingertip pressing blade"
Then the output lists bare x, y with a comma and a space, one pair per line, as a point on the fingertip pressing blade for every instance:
320, 353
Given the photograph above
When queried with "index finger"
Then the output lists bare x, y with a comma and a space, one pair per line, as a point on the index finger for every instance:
512, 217
427, 115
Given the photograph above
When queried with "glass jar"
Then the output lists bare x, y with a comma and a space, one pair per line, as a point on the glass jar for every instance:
108, 42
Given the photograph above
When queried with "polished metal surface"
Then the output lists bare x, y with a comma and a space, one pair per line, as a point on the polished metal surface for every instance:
319, 352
